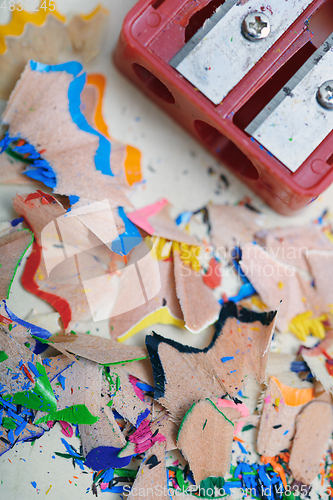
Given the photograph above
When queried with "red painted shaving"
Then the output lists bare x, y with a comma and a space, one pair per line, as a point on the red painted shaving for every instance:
4, 320
28, 282
213, 276
26, 371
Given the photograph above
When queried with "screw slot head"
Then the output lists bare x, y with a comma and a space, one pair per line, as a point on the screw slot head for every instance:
325, 95
256, 26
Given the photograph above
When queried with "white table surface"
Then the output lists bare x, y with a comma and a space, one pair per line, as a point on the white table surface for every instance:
175, 167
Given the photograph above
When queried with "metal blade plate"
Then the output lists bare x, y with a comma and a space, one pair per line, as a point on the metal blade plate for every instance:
296, 127
219, 56
289, 87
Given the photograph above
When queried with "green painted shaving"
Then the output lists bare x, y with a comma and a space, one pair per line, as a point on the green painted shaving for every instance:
77, 414
8, 423
230, 421
189, 411
182, 423
20, 259
41, 397
180, 480
3, 356
247, 427
210, 485
18, 157
43, 341
113, 385
204, 425
128, 444
125, 473
67, 455
123, 362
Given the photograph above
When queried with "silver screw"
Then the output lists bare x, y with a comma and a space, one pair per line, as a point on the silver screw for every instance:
325, 95
256, 26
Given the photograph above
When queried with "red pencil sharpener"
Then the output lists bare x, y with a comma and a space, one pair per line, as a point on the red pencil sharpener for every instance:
249, 79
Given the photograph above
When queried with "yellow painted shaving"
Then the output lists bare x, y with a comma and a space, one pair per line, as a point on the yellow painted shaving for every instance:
304, 324
258, 302
87, 17
162, 247
161, 316
19, 19
329, 235
189, 254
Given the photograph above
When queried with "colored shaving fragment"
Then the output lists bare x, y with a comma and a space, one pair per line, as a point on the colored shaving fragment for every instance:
76, 414
213, 275
38, 332
139, 392
293, 396
226, 418
299, 366
13, 247
188, 254
41, 397
140, 217
162, 247
143, 437
242, 449
66, 429
20, 18
277, 467
304, 324
227, 358
3, 356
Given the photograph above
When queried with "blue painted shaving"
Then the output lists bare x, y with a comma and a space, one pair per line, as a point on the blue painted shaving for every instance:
35, 330
226, 358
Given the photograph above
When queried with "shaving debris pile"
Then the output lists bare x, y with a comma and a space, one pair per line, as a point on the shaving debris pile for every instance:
244, 416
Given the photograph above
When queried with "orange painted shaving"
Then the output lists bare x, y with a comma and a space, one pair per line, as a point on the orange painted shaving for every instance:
239, 440
133, 165
293, 396
133, 155
285, 456
277, 467
99, 81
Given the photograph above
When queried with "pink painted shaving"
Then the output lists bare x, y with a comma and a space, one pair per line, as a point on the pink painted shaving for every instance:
143, 437
138, 392
140, 217
241, 407
66, 428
